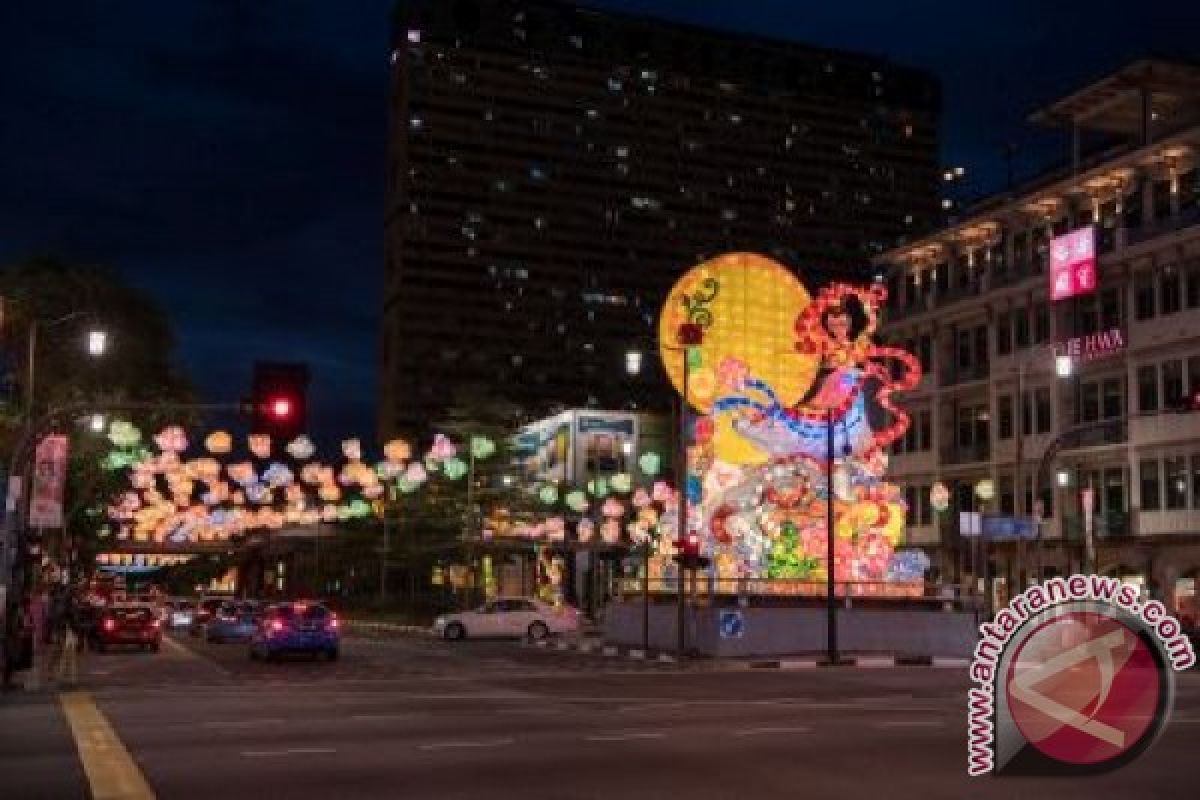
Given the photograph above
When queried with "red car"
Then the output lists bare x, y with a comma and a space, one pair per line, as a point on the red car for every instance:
127, 624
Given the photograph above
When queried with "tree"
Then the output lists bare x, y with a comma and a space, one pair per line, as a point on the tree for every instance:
138, 367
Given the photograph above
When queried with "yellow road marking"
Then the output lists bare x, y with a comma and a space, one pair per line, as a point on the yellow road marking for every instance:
110, 769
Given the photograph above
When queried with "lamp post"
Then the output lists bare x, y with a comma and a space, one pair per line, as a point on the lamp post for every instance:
633, 368
97, 343
690, 334
831, 642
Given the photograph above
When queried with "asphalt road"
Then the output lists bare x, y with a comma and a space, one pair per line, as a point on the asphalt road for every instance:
425, 719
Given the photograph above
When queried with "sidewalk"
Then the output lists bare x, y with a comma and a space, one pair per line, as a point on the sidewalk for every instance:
38, 757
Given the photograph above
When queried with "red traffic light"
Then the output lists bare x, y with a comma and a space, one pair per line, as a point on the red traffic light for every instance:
280, 408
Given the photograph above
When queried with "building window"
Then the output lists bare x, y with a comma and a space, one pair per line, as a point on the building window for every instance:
1020, 328
1113, 401
1041, 323
910, 499
1007, 495
1004, 333
1193, 285
1196, 481
964, 350
1089, 402
925, 429
1172, 383
1176, 482
924, 507
1151, 488
1113, 498
1042, 401
1026, 414
1171, 291
1147, 377
925, 352
1193, 366
1004, 413
1110, 309
1143, 296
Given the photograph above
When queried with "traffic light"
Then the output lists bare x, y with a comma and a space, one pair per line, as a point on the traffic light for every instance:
278, 399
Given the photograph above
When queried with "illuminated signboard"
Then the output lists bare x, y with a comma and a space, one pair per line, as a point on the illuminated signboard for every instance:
1073, 264
1093, 345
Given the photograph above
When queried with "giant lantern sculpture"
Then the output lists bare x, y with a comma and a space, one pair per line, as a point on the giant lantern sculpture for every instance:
772, 369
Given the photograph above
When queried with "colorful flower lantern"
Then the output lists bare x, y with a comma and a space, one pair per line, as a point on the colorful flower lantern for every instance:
301, 448
259, 445
548, 494
218, 443
171, 439
397, 451
352, 449
577, 501
621, 483
123, 434
482, 447
650, 463
454, 468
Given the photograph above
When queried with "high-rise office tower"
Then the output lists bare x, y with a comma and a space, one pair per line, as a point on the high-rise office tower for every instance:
553, 169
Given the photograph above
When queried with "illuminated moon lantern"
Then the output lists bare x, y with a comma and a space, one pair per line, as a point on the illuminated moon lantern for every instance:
771, 371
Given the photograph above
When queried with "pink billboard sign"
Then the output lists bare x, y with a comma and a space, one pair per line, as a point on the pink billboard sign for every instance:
1073, 264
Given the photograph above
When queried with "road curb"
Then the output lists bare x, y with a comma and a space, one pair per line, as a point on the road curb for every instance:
388, 627
863, 662
607, 651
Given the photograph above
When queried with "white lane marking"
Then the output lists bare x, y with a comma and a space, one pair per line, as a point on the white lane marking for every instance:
528, 711
625, 737
243, 723
291, 751
771, 731
908, 723
464, 744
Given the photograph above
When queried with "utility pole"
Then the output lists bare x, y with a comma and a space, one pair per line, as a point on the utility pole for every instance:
831, 642
683, 503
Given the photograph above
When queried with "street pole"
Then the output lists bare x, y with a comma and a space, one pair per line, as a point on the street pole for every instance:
683, 509
646, 596
386, 548
831, 642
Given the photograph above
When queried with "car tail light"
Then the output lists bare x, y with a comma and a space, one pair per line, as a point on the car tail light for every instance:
334, 623
156, 624
109, 624
276, 626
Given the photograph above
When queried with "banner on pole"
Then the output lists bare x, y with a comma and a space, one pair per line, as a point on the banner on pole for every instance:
49, 481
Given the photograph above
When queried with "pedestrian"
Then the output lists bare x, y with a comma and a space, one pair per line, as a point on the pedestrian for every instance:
39, 620
72, 639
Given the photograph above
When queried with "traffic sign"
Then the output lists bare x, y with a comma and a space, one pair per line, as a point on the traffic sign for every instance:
732, 624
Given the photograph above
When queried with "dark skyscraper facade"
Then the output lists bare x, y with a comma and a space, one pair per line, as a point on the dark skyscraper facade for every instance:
553, 169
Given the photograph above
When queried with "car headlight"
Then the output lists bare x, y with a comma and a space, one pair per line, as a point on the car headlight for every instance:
440, 622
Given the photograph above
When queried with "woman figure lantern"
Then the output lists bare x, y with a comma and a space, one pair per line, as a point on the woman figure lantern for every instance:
852, 389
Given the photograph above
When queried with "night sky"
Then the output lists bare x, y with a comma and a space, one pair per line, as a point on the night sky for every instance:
228, 155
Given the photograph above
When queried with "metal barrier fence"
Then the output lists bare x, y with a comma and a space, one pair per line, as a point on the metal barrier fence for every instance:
765, 589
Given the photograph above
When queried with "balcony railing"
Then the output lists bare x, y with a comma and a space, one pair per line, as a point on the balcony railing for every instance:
967, 454
1114, 432
1111, 525
1185, 219
955, 375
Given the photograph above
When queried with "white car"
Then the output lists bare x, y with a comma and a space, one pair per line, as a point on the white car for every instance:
508, 616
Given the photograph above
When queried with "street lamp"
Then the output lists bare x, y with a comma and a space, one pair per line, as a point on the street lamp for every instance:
633, 363
1063, 477
1063, 366
97, 423
97, 342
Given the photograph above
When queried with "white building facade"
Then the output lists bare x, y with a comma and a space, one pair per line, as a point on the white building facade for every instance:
974, 302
